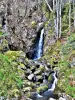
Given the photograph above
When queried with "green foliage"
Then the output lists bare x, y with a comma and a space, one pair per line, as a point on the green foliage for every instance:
66, 49
10, 79
71, 38
69, 46
53, 53
67, 53
64, 82
3, 34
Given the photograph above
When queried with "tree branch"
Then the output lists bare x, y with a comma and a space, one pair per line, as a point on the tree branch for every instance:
48, 6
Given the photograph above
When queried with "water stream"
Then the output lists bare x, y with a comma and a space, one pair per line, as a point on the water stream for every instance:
51, 87
39, 48
38, 54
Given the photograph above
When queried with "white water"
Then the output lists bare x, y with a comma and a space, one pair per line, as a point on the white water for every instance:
50, 90
40, 46
39, 53
54, 83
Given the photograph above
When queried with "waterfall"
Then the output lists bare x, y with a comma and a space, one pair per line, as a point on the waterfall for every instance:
40, 44
39, 50
51, 88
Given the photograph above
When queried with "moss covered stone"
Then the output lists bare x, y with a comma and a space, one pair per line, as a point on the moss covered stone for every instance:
42, 88
13, 55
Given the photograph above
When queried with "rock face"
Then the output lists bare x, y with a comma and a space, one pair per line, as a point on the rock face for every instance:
22, 18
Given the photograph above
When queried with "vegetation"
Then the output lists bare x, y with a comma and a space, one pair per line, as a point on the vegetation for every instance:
10, 79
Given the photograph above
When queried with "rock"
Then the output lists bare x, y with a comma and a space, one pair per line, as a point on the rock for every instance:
27, 89
22, 20
22, 12
30, 76
52, 99
3, 45
37, 72
61, 98
41, 89
22, 66
39, 78
28, 72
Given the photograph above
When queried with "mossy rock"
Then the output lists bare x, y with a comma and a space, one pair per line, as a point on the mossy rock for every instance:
21, 65
27, 83
15, 93
4, 45
13, 55
0, 26
26, 89
42, 88
39, 77
49, 78
42, 68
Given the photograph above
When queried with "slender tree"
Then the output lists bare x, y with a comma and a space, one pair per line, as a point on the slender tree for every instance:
57, 11
54, 17
69, 16
74, 12
60, 18
53, 5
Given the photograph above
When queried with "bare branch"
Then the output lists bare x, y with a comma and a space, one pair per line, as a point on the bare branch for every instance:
48, 6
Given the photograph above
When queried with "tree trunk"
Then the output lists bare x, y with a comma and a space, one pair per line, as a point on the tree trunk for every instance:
74, 12
69, 16
60, 18
57, 11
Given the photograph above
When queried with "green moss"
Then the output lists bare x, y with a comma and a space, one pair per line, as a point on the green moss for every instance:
42, 88
13, 55
33, 24
1, 33
50, 78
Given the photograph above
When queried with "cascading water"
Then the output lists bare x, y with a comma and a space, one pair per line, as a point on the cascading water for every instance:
48, 93
39, 48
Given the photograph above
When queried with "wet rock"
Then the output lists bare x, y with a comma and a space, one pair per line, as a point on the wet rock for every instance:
61, 98
52, 99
